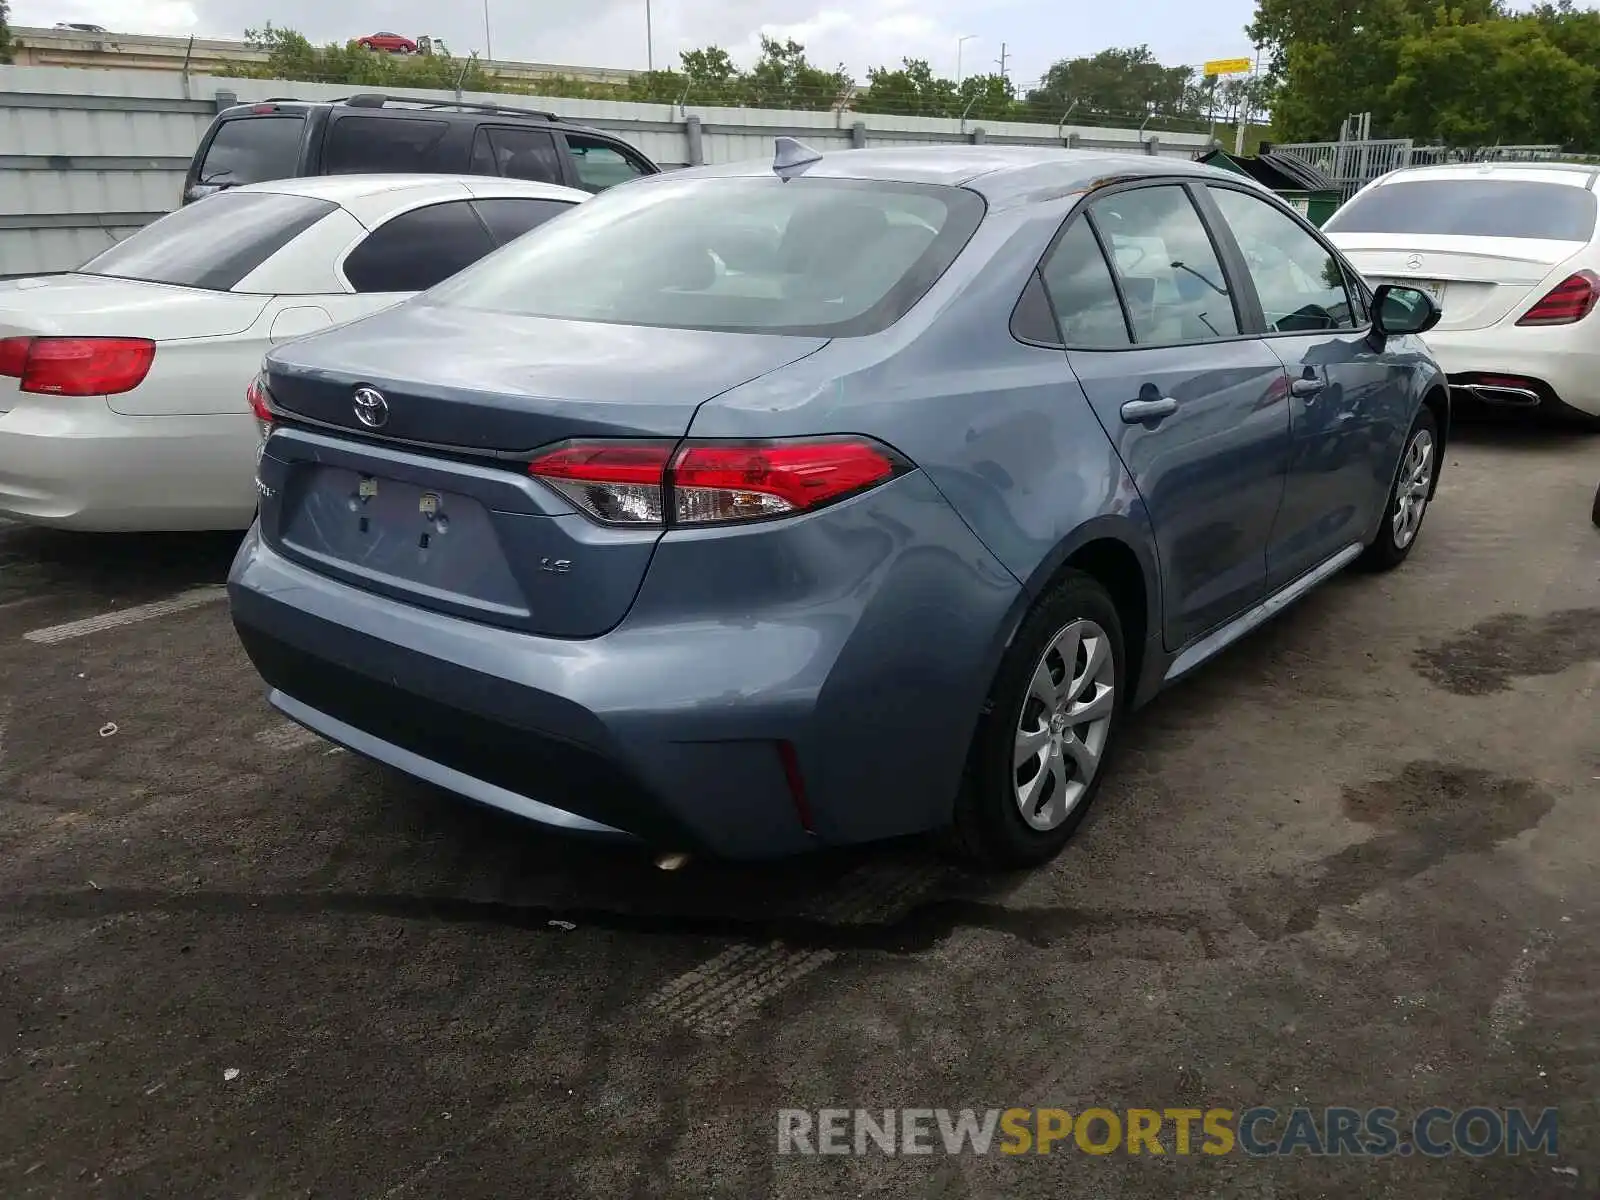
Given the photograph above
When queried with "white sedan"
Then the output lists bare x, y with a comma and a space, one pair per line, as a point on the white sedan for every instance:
122, 384
1511, 254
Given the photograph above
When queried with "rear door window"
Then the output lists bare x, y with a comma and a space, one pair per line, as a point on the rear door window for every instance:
1171, 278
378, 145
1082, 293
1557, 212
516, 154
417, 249
213, 243
601, 165
509, 217
253, 150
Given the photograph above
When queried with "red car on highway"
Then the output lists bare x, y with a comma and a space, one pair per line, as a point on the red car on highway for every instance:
393, 43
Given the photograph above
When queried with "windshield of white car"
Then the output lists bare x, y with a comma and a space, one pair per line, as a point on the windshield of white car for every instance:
213, 243
816, 257
1557, 212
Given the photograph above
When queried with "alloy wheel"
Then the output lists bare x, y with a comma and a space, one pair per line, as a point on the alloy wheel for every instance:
1066, 719
1411, 491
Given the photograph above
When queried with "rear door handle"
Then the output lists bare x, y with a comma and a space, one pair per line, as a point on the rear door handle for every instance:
1135, 412
1306, 388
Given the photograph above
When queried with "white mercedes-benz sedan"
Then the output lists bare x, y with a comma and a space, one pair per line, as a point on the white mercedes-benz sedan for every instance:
123, 384
1511, 254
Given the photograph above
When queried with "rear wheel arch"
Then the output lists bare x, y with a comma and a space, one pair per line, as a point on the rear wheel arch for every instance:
1117, 553
1113, 564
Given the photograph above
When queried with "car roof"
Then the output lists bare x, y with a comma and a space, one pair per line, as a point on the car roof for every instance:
382, 104
1001, 174
1577, 174
344, 189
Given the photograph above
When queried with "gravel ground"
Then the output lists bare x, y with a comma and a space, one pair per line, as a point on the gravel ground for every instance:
1352, 862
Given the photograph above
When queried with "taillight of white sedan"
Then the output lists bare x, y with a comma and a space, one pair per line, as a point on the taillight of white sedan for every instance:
123, 385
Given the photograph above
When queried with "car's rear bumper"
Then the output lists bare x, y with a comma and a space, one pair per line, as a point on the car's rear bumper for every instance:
1565, 362
72, 462
763, 730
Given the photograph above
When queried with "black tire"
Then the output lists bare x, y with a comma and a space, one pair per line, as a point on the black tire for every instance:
1384, 553
988, 829
1595, 514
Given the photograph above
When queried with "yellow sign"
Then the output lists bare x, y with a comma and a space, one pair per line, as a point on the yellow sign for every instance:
1226, 66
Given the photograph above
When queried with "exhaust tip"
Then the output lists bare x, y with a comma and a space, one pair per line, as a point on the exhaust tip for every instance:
674, 861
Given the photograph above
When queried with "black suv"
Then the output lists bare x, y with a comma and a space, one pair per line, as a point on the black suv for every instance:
373, 134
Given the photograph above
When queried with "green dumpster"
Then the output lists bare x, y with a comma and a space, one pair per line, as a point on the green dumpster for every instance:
1304, 188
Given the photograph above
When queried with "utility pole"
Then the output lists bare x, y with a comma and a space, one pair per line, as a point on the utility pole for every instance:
1002, 60
649, 40
1247, 104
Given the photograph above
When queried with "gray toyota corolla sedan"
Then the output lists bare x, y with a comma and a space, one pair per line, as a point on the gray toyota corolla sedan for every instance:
753, 508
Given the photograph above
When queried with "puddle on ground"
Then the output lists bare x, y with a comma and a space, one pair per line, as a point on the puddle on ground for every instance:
1425, 814
1487, 657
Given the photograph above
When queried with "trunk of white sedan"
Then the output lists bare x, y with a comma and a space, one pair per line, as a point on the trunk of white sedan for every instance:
1475, 287
95, 306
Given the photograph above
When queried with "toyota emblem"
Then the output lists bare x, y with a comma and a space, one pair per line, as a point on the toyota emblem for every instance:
1412, 263
372, 410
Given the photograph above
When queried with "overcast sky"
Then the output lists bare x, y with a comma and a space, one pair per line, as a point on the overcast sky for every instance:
612, 32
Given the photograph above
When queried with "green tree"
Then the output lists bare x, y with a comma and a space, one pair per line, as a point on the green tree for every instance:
1117, 84
784, 78
1242, 97
5, 33
913, 91
1327, 59
989, 98
1469, 83
708, 76
1576, 33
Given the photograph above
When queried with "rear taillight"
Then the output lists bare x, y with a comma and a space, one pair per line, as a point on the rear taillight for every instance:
13, 356
260, 406
1570, 300
65, 366
709, 483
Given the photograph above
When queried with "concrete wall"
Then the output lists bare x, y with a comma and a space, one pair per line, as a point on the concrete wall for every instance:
87, 156
35, 47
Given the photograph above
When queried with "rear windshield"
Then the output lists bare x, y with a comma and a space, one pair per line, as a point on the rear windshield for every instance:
212, 243
1557, 212
253, 150
822, 257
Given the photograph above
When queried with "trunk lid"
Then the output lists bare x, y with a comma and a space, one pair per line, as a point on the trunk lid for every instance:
93, 305
1476, 282
477, 381
75, 305
435, 506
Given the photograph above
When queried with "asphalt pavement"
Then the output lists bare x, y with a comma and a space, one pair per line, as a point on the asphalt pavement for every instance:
1350, 863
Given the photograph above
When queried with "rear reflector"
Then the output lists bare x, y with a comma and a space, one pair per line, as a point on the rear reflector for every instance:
797, 784
713, 483
61, 366
1570, 300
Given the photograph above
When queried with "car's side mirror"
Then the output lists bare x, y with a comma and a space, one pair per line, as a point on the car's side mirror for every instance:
1398, 310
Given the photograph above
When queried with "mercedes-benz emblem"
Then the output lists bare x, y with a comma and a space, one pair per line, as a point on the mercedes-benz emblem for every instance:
1412, 263
372, 410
